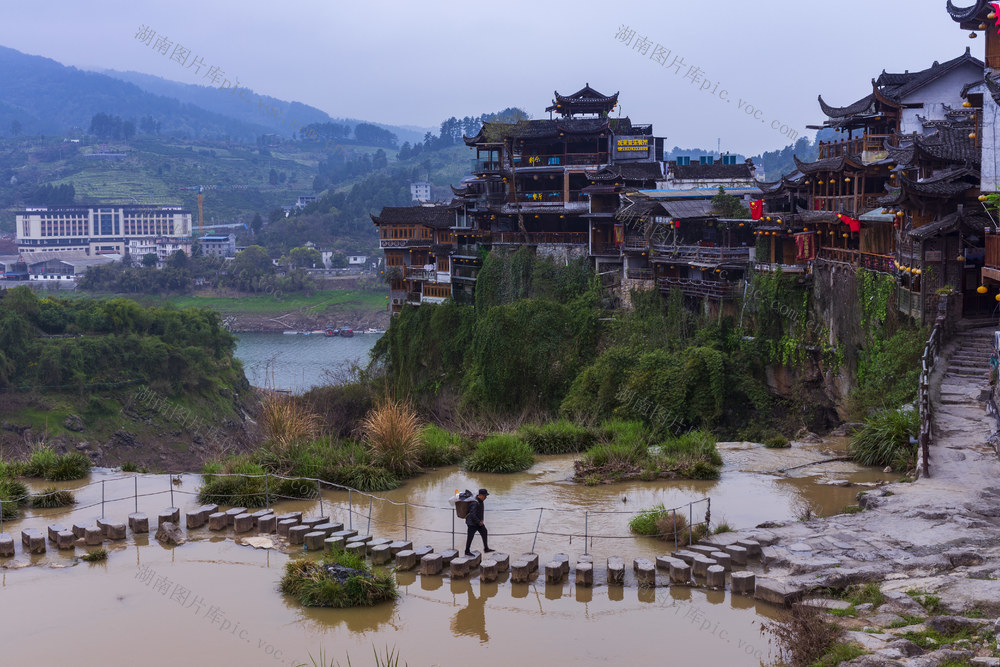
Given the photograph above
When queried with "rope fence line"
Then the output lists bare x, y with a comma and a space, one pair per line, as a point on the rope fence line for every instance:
316, 493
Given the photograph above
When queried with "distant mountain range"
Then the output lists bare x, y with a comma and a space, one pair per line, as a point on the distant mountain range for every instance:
46, 97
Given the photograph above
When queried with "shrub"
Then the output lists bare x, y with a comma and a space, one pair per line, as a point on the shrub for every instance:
501, 453
392, 436
870, 593
885, 439
777, 442
644, 523
231, 488
287, 420
73, 465
52, 497
667, 525
558, 437
310, 584
694, 444
14, 494
804, 637
44, 462
439, 447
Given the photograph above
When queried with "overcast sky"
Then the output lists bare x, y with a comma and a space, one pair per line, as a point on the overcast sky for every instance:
416, 63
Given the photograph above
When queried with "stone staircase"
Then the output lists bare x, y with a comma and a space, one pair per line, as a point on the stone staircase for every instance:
967, 369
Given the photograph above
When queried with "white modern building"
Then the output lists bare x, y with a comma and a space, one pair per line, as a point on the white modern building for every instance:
96, 230
420, 191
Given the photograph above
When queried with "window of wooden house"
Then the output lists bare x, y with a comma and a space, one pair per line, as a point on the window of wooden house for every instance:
442, 263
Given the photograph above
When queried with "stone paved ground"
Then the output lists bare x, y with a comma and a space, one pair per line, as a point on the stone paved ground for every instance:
939, 534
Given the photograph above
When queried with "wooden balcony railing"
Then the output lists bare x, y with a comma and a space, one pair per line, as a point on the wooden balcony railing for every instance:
784, 268
553, 160
420, 274
635, 243
639, 274
605, 249
700, 288
534, 238
693, 253
405, 243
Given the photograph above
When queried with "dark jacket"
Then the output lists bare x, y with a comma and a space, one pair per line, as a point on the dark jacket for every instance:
475, 515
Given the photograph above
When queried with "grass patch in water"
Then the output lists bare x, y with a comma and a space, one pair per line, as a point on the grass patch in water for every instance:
627, 450
95, 556
311, 584
14, 494
52, 497
558, 437
439, 447
47, 464
500, 453
657, 521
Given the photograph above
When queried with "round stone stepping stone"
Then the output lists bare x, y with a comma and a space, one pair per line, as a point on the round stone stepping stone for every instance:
360, 538
743, 583
564, 559
297, 534
401, 545
448, 555
290, 516
357, 548
231, 514
80, 529
116, 531
54, 531
459, 567
701, 565
616, 570
314, 540
6, 545
752, 547
285, 526
381, 554
520, 571
169, 515
371, 544
723, 559
313, 521
329, 528
138, 522
584, 574
553, 572
65, 540
333, 543
406, 560
532, 561
267, 524
737, 553
243, 523
680, 572
646, 573
33, 541
217, 521
93, 536
431, 564
487, 570
502, 561
259, 514
716, 576
423, 551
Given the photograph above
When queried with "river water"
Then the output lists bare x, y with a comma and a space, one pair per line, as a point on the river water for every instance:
213, 601
296, 363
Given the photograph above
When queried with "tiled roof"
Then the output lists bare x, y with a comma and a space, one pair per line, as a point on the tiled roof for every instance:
628, 171
438, 217
585, 100
715, 171
865, 104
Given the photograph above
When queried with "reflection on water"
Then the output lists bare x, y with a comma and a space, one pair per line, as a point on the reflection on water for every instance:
436, 621
297, 363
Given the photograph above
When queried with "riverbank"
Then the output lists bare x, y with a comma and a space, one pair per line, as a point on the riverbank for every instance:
938, 536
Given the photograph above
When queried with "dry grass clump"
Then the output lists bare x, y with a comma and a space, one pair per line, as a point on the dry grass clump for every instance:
286, 420
804, 637
391, 432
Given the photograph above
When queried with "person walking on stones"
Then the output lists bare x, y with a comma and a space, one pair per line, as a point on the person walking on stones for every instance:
474, 520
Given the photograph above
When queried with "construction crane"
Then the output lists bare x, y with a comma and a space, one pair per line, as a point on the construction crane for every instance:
201, 198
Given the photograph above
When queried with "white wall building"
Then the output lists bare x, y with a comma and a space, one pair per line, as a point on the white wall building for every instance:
420, 191
96, 230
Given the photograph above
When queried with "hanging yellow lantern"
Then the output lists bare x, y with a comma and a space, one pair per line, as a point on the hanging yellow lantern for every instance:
982, 197
967, 104
899, 214
960, 259
845, 235
972, 135
780, 222
997, 297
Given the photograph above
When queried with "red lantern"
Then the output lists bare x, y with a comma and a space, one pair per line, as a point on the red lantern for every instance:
677, 224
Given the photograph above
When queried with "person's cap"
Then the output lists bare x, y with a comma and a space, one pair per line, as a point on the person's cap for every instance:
484, 492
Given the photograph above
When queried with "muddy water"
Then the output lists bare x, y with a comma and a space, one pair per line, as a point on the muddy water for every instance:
212, 601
